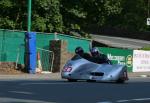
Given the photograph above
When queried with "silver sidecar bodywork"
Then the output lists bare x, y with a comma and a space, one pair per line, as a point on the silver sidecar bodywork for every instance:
79, 68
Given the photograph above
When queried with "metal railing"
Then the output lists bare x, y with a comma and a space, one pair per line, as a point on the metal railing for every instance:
46, 58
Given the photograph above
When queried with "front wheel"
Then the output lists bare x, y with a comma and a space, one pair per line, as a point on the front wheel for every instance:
72, 80
91, 80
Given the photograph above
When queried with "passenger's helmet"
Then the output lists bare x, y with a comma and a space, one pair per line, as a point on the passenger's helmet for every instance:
79, 51
95, 51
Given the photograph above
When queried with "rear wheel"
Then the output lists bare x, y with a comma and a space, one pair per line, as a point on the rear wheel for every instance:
72, 80
120, 80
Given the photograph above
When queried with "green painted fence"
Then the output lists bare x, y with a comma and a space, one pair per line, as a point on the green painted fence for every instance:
12, 47
12, 44
42, 40
119, 56
73, 42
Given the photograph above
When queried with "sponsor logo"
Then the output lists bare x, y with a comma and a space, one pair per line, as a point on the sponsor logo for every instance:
129, 60
124, 60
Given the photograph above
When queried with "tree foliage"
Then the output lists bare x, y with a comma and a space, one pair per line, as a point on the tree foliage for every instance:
46, 16
68, 15
132, 17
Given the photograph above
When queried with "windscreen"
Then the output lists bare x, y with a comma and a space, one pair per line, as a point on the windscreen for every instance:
76, 57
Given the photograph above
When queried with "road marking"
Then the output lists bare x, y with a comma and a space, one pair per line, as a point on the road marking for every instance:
17, 100
39, 83
140, 99
21, 92
105, 102
120, 101
126, 100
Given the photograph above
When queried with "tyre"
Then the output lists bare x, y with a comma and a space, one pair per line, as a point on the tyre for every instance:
72, 80
91, 80
120, 81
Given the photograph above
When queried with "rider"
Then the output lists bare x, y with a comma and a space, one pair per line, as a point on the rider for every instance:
98, 57
79, 51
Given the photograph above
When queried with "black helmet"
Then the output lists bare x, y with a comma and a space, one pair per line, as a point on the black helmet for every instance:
95, 51
79, 50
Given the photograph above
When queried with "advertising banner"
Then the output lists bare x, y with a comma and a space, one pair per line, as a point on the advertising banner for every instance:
119, 56
141, 61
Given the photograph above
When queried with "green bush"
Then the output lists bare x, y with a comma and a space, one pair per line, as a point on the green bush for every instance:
146, 48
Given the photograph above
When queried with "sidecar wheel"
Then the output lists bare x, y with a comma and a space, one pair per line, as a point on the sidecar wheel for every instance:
91, 80
120, 81
72, 80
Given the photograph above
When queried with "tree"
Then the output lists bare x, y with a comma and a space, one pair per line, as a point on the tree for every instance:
88, 13
46, 16
13, 14
5, 20
132, 17
77, 15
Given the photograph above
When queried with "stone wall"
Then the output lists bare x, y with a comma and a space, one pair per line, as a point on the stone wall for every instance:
10, 68
61, 55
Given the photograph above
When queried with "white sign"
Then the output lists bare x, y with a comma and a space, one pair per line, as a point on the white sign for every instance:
141, 61
148, 21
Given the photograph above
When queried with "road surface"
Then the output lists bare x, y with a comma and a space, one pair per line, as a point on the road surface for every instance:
136, 90
121, 42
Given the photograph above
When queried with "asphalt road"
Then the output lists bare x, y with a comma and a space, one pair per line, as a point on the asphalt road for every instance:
121, 42
136, 90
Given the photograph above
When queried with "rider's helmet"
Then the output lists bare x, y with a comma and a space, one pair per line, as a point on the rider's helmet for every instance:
79, 51
95, 51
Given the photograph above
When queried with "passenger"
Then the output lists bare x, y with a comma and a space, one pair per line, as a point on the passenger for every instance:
98, 57
79, 51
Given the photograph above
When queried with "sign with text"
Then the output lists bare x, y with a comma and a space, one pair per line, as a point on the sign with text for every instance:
141, 61
148, 21
119, 56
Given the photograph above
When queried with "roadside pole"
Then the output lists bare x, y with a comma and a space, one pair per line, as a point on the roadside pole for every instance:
30, 44
29, 14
